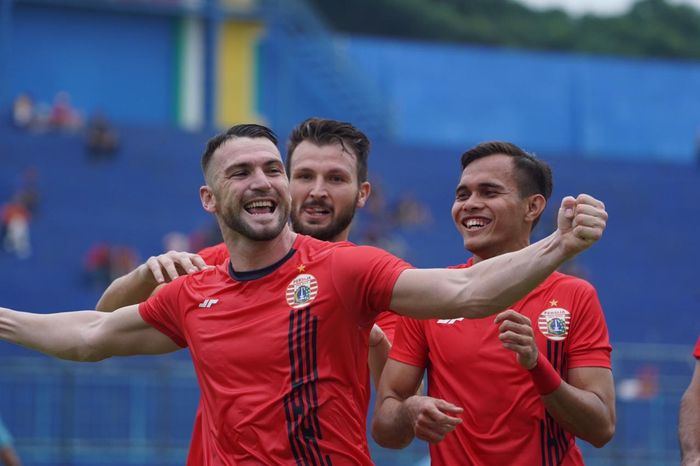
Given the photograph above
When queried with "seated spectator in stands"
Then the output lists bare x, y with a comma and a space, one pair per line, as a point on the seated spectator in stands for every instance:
8, 456
23, 111
102, 138
15, 228
63, 116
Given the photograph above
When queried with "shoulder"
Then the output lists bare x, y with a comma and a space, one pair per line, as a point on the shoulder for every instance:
214, 255
569, 283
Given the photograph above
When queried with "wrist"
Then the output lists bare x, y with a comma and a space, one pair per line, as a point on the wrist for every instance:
544, 377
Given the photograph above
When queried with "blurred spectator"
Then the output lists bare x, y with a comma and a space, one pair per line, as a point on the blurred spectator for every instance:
23, 115
97, 266
105, 262
27, 191
176, 241
8, 456
15, 228
644, 386
123, 259
410, 212
102, 137
63, 116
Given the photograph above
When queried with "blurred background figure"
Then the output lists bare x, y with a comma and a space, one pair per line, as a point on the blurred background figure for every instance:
23, 111
15, 219
8, 456
102, 138
63, 116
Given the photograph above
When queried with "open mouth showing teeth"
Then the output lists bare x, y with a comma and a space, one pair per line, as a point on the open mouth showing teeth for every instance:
260, 207
317, 211
475, 223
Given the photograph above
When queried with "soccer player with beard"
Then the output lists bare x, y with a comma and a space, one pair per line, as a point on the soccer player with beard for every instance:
279, 333
327, 167
516, 390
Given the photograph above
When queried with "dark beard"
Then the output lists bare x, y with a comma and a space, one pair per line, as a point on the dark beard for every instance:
329, 232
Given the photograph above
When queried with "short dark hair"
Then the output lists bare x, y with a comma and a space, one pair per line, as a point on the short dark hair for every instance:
248, 130
534, 176
322, 132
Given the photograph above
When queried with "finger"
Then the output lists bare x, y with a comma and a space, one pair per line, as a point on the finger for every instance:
519, 328
587, 199
446, 406
169, 268
199, 262
507, 314
511, 315
566, 213
589, 234
512, 337
429, 436
186, 264
155, 269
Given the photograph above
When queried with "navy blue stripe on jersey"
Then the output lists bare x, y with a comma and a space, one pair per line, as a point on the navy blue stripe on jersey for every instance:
553, 442
301, 403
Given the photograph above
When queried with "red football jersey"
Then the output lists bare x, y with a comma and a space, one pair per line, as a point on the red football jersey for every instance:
281, 353
505, 421
696, 353
217, 254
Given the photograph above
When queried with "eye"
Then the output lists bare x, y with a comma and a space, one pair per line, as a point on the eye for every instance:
462, 196
238, 174
490, 193
303, 176
336, 179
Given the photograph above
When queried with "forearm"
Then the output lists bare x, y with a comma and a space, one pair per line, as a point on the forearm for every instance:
689, 426
582, 413
391, 424
378, 354
63, 335
499, 282
132, 288
478, 291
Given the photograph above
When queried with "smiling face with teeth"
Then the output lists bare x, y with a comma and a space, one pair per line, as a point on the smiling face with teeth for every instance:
247, 188
489, 211
325, 190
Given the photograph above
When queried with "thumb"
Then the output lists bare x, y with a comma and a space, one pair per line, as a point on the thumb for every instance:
565, 216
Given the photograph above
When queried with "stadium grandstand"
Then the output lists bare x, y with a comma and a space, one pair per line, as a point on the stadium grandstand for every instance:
106, 106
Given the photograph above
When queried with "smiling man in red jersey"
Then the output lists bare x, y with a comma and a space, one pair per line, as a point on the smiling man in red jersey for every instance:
516, 390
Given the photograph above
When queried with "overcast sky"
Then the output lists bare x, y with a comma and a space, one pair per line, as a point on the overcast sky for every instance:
603, 7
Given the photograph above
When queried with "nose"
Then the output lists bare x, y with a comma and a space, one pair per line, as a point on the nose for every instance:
318, 189
473, 202
260, 181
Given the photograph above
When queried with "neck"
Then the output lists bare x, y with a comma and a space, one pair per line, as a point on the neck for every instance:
247, 255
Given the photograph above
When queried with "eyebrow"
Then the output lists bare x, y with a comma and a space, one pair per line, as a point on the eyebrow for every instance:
484, 185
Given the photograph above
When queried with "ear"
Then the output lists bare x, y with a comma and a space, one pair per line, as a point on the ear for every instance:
206, 195
535, 205
363, 195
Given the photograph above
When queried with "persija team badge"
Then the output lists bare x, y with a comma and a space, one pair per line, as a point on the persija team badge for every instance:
301, 291
554, 323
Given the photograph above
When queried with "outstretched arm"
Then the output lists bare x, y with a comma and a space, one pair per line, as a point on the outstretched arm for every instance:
84, 335
689, 421
494, 284
400, 414
143, 281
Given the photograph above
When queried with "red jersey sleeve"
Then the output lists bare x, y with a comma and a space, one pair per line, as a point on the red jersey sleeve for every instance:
162, 312
365, 277
590, 343
410, 345
696, 353
387, 322
214, 255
